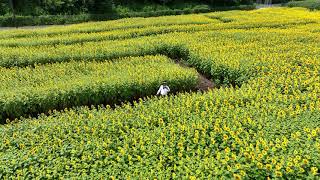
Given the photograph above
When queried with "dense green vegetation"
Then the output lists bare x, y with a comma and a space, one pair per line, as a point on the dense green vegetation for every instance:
72, 7
261, 123
33, 90
310, 4
35, 12
70, 19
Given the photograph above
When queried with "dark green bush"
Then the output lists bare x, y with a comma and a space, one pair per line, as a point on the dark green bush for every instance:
8, 21
72, 7
310, 4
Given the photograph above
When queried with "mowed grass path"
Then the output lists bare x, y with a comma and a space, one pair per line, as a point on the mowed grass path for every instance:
263, 121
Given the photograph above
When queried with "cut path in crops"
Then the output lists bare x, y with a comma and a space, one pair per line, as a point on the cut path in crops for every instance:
263, 123
204, 82
113, 82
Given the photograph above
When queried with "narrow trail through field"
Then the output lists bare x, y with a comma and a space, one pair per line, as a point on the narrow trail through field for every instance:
205, 84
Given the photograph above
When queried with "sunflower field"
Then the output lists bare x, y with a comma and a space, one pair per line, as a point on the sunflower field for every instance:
59, 87
38, 89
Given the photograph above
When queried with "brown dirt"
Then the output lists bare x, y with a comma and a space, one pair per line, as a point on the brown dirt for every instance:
205, 84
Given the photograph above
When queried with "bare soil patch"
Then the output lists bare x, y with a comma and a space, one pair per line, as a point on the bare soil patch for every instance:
205, 84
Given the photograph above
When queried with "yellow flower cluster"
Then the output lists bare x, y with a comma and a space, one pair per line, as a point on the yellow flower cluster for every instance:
262, 123
103, 26
37, 89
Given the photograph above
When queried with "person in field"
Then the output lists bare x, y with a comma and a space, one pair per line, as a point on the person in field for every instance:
163, 90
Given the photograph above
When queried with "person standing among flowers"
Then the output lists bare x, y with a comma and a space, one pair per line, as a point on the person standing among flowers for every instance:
164, 89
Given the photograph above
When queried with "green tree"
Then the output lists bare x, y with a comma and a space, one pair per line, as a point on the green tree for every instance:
13, 5
100, 6
4, 8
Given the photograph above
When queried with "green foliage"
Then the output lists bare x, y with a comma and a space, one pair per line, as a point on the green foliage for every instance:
56, 7
106, 27
263, 121
30, 91
122, 12
4, 8
100, 6
310, 4
108, 8
188, 136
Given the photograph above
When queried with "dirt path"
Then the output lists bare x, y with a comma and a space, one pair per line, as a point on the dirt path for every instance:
205, 84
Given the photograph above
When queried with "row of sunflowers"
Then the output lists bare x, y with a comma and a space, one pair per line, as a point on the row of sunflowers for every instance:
33, 90
262, 123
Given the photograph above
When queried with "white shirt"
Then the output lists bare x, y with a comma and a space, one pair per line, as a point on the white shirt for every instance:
163, 90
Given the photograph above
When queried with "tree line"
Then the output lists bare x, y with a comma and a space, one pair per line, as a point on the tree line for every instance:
54, 7
72, 7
